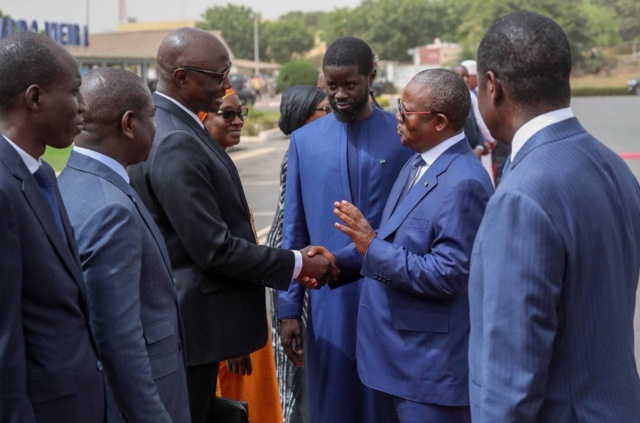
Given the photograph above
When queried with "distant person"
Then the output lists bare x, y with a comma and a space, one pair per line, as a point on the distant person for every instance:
487, 143
555, 265
133, 303
353, 153
471, 130
194, 193
251, 378
299, 106
413, 323
49, 369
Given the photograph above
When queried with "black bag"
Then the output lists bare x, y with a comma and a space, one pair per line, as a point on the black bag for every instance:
231, 411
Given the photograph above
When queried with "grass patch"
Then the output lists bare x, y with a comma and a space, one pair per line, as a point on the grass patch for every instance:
599, 85
259, 121
57, 158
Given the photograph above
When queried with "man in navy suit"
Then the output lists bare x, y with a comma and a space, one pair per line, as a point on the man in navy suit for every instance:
555, 265
132, 300
49, 370
413, 322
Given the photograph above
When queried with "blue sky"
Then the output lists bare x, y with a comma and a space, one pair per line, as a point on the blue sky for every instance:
103, 14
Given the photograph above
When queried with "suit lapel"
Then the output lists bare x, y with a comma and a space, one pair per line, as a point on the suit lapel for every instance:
205, 139
65, 248
422, 187
87, 164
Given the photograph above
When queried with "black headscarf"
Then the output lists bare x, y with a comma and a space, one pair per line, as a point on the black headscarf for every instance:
298, 105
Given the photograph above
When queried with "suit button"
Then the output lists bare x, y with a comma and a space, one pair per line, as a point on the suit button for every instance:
99, 365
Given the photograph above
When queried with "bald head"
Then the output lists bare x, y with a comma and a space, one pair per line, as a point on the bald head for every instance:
190, 47
108, 94
28, 58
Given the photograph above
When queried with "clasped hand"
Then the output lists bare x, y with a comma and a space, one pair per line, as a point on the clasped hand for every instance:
318, 267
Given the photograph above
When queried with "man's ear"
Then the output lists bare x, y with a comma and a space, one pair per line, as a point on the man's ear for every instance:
494, 86
33, 97
180, 77
372, 77
441, 122
127, 124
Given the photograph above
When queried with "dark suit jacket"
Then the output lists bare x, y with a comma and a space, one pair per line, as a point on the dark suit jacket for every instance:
49, 371
193, 191
133, 302
413, 322
552, 293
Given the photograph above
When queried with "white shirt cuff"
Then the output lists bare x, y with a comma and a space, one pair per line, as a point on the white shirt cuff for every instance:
298, 264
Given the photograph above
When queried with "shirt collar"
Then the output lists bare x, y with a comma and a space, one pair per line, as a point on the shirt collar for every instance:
189, 112
535, 125
105, 160
431, 155
32, 164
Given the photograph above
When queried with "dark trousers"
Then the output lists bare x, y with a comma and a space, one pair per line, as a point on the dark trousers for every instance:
201, 383
392, 409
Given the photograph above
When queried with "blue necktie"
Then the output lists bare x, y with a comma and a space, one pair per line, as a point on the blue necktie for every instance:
47, 189
416, 164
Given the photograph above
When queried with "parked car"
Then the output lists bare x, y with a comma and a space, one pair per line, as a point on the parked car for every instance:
633, 86
242, 87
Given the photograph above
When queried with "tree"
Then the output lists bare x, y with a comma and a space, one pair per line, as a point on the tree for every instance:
283, 38
296, 73
236, 25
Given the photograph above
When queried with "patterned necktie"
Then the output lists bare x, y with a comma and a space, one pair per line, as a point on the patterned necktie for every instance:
416, 164
47, 189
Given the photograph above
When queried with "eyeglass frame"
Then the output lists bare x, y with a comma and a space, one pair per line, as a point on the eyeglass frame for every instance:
223, 75
325, 109
242, 114
403, 112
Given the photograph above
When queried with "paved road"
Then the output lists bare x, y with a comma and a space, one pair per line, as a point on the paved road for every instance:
614, 120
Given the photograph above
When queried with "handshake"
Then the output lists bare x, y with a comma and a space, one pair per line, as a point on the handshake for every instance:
318, 264
318, 267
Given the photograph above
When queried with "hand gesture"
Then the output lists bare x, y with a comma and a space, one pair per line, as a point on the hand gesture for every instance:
357, 227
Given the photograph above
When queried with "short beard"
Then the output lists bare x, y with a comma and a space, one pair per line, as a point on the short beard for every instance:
349, 116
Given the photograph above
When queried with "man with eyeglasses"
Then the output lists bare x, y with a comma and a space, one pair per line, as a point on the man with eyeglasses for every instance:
193, 191
413, 324
352, 153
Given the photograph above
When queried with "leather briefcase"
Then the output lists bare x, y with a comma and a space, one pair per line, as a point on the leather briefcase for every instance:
231, 411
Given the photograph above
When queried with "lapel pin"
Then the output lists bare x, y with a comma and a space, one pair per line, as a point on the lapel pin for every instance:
383, 161
426, 184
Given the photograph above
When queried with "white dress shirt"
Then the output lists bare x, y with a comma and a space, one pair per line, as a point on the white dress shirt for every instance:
32, 164
431, 155
535, 125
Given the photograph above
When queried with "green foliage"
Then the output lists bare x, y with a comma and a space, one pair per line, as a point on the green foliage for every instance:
283, 38
236, 25
296, 72
57, 157
258, 121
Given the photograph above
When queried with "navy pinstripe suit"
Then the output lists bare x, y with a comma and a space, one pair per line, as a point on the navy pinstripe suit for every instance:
554, 273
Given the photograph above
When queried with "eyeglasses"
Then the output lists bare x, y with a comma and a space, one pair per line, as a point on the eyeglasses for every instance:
325, 109
222, 75
230, 115
403, 112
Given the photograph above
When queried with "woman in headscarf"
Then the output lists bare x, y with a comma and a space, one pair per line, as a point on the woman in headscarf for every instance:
251, 378
300, 105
